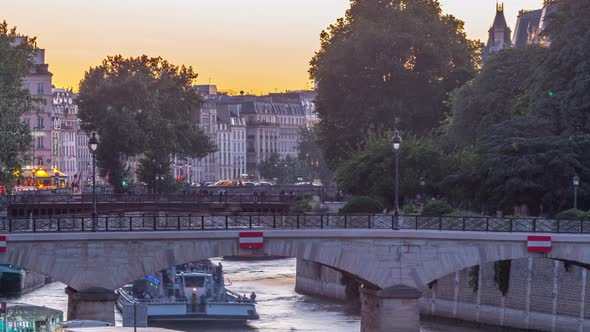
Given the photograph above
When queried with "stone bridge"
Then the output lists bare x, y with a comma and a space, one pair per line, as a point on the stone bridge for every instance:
393, 265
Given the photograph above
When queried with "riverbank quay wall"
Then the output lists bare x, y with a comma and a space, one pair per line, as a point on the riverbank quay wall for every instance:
543, 294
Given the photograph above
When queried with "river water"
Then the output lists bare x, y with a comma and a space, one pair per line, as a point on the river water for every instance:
279, 307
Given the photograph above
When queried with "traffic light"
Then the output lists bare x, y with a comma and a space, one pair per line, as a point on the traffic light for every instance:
179, 178
124, 182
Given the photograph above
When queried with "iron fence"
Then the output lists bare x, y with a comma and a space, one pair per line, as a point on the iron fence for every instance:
160, 222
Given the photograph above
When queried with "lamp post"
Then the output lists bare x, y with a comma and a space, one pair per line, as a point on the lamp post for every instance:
93, 146
397, 143
190, 173
576, 181
422, 191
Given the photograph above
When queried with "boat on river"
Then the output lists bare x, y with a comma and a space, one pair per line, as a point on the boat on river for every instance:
189, 295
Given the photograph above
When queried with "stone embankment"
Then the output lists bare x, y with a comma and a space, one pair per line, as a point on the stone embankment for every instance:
543, 294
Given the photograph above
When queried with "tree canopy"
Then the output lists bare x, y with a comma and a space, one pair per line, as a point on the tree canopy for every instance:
15, 101
142, 107
387, 64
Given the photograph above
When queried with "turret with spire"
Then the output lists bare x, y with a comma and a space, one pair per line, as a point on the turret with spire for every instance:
499, 33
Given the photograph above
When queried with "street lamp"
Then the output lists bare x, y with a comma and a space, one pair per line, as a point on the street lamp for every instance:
397, 143
576, 181
422, 187
93, 146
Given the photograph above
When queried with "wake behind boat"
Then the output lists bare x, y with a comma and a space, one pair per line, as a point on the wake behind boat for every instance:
197, 293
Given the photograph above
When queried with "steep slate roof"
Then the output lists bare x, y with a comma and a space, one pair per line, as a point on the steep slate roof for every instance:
526, 23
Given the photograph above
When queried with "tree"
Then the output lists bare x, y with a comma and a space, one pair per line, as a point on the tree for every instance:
522, 164
15, 137
497, 94
562, 81
370, 172
387, 64
141, 107
312, 158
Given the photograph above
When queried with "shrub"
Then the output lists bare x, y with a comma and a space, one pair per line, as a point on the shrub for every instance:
437, 208
409, 209
362, 204
573, 214
301, 204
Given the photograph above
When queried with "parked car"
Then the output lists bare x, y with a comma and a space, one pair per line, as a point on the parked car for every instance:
263, 184
248, 184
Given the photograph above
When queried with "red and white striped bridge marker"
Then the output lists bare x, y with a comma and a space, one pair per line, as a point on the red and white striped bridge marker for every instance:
251, 240
2, 243
538, 243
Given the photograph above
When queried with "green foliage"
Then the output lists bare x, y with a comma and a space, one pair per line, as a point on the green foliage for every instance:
394, 62
561, 82
311, 157
141, 106
285, 171
15, 137
301, 204
437, 208
409, 209
502, 275
573, 214
522, 163
474, 278
362, 204
497, 94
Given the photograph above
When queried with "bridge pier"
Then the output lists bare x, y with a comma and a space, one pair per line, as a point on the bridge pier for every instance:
94, 303
393, 309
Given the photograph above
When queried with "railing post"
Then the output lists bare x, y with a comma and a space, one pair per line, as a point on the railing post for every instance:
274, 221
227, 223
369, 221
393, 221
416, 217
346, 221
58, 226
155, 222
322, 221
189, 222
581, 226
250, 221
83, 222
178, 223
9, 225
463, 223
34, 225
440, 223
202, 222
487, 224
297, 221
511, 224
534, 225
107, 223
558, 225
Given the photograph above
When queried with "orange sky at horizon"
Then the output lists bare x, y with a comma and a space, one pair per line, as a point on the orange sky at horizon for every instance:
258, 46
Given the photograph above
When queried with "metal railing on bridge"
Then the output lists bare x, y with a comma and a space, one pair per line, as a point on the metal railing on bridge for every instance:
151, 198
289, 221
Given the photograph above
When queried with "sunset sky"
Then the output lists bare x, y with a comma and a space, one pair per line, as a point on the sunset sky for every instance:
253, 45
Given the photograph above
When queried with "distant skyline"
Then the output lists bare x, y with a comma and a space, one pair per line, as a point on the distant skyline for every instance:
257, 46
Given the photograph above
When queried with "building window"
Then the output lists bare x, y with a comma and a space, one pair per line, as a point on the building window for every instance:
40, 88
40, 142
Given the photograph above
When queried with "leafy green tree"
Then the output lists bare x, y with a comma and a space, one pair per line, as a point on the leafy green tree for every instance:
311, 157
141, 107
497, 94
15, 137
387, 64
523, 164
371, 172
562, 81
